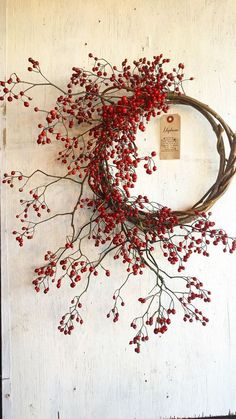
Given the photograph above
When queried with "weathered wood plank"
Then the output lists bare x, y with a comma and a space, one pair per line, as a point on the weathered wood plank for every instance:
5, 306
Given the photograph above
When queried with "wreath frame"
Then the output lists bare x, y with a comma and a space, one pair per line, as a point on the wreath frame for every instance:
227, 165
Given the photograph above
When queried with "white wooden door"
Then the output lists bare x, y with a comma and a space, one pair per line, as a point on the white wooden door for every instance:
94, 374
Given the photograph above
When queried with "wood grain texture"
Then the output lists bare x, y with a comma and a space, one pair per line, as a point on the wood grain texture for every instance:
5, 293
94, 374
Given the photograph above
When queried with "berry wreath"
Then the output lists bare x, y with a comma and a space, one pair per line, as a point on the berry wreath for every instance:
95, 122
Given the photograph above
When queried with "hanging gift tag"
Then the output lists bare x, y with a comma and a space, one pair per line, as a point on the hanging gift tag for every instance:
170, 137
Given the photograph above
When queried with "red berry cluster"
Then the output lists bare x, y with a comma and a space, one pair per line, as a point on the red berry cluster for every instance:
67, 321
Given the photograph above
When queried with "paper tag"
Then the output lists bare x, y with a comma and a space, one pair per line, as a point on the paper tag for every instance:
170, 137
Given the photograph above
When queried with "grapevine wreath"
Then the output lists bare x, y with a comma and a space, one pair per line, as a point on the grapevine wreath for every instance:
95, 122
